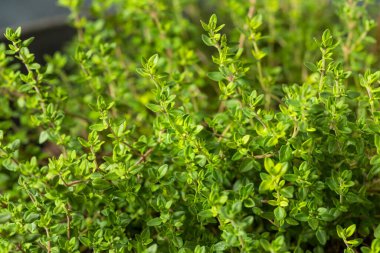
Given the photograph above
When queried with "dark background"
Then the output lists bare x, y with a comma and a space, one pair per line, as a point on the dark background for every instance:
47, 22
42, 19
30, 13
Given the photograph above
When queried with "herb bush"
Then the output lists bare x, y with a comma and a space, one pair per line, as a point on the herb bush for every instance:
258, 136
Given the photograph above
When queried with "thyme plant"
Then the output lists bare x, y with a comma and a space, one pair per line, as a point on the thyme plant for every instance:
253, 130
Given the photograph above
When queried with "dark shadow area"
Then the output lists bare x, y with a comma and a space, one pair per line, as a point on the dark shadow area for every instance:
49, 40
42, 19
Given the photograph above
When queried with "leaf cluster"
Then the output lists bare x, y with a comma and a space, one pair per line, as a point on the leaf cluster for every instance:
253, 130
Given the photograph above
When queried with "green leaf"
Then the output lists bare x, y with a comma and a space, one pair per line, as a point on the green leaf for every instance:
313, 223
28, 41
83, 142
265, 244
311, 66
213, 21
31, 217
18, 32
216, 76
287, 191
249, 203
207, 40
265, 185
353, 94
4, 217
355, 242
151, 63
268, 164
198, 129
377, 142
365, 250
205, 214
291, 221
279, 169
290, 177
14, 145
205, 26
377, 232
278, 243
321, 236
151, 249
98, 127
162, 171
279, 213
142, 72
258, 54
248, 165
220, 246
154, 222
327, 38
178, 242
245, 139
301, 217
285, 153
201, 160
200, 249
272, 142
10, 164
375, 160
237, 156
34, 66
153, 107
85, 241
44, 136
256, 22
376, 245
340, 232
100, 184
350, 230
31, 237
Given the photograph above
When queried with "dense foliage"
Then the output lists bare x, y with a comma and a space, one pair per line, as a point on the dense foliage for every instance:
261, 135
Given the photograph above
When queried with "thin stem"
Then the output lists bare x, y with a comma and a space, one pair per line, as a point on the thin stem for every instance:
74, 183
48, 242
222, 106
144, 156
261, 77
19, 247
347, 47
78, 116
257, 117
373, 109
30, 195
39, 94
68, 226
94, 162
251, 11
295, 127
118, 139
323, 70
111, 89
163, 36
241, 240
263, 156
224, 132
13, 160
79, 29
35, 87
